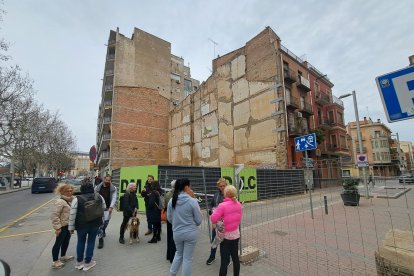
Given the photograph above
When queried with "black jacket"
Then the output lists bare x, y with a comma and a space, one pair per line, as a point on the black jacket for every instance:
80, 222
130, 203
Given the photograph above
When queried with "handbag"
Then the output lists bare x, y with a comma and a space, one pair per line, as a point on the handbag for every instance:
163, 216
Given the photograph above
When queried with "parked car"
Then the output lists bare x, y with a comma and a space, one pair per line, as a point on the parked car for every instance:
406, 178
43, 185
76, 183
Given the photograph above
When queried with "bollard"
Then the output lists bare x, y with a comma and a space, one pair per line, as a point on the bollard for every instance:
325, 201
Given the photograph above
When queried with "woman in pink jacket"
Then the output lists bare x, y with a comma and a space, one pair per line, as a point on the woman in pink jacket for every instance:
230, 210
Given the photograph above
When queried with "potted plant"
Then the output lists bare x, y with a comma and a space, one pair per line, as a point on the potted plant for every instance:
350, 195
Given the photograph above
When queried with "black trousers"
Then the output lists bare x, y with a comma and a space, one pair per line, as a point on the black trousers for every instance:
61, 243
123, 226
229, 248
170, 243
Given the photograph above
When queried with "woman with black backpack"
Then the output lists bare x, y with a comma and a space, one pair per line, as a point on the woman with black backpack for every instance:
86, 217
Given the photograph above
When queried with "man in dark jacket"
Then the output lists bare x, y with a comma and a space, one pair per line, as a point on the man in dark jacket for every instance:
145, 193
87, 230
130, 204
217, 199
110, 194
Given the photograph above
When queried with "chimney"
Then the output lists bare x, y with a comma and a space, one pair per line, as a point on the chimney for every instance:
378, 120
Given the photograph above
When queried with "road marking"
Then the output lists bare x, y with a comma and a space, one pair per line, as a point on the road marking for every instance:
25, 216
25, 234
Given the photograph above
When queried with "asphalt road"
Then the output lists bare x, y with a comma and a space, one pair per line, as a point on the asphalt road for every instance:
14, 205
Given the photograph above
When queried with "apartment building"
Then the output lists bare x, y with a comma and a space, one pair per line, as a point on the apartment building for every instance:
80, 164
376, 143
142, 82
408, 154
257, 100
328, 123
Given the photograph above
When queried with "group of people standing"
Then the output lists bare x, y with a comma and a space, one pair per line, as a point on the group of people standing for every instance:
183, 218
69, 214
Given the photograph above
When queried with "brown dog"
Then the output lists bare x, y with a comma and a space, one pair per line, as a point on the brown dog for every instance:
133, 230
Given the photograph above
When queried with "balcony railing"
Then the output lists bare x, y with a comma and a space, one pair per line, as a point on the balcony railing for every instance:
322, 98
109, 87
290, 75
107, 119
337, 101
105, 154
303, 83
295, 131
109, 72
335, 148
110, 57
306, 107
106, 136
364, 150
111, 41
292, 101
108, 103
324, 122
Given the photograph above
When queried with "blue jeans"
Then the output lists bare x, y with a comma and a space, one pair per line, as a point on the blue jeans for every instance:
185, 244
86, 236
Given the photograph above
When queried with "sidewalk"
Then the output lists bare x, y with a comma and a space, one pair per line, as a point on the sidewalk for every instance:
8, 190
141, 258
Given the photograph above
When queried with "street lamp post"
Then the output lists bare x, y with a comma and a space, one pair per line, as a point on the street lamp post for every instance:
359, 135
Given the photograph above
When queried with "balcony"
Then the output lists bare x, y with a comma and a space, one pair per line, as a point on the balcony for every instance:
322, 98
337, 101
110, 57
336, 148
108, 103
106, 136
292, 102
109, 87
303, 83
295, 131
111, 41
109, 72
306, 108
290, 75
105, 154
364, 150
107, 119
324, 122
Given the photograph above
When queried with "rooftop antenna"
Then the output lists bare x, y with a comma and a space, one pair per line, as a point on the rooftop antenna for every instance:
214, 47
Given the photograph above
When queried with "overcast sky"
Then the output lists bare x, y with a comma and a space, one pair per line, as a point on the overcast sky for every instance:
61, 44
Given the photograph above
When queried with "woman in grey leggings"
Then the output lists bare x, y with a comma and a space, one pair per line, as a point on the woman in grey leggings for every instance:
185, 216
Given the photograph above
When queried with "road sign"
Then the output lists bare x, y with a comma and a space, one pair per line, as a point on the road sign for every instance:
397, 93
362, 160
306, 142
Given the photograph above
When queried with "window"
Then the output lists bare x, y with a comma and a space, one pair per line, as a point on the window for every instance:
376, 144
342, 141
377, 134
373, 156
187, 87
331, 116
340, 118
333, 141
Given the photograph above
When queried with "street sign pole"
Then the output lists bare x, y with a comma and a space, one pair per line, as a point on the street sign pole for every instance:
308, 184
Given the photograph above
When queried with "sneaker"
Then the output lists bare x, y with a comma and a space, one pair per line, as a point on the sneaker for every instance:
210, 260
149, 232
100, 243
79, 265
65, 259
121, 240
57, 265
88, 266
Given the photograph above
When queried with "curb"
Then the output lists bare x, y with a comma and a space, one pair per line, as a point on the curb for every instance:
14, 190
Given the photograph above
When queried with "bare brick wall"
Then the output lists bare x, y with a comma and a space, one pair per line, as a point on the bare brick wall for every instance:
139, 127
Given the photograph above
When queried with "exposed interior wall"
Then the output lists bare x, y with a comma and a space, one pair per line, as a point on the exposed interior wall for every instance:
232, 118
139, 127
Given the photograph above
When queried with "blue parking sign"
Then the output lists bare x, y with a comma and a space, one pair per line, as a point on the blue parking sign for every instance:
305, 142
397, 94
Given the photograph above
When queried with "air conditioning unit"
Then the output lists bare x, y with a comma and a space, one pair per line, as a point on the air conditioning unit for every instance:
299, 114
